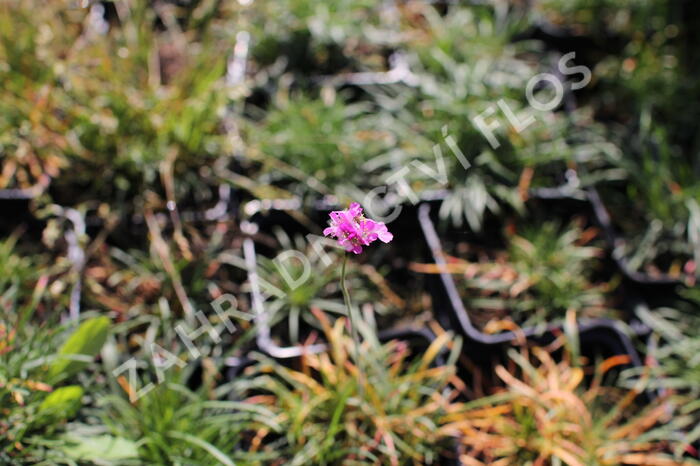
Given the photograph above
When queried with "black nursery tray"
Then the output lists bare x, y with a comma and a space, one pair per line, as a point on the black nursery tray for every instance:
420, 337
612, 336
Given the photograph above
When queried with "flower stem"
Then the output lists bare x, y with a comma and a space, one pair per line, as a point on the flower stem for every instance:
354, 320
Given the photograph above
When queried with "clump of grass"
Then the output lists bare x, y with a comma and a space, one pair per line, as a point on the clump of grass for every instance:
152, 105
175, 424
556, 268
551, 415
463, 62
543, 272
311, 146
35, 108
149, 109
674, 366
662, 237
392, 414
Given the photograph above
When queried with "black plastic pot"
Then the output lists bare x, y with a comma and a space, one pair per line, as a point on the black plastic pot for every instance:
267, 346
449, 310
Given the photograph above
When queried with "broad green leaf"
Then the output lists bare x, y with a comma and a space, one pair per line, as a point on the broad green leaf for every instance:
100, 448
63, 402
86, 341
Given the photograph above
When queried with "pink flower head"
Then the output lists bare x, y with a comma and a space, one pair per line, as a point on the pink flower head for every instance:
353, 230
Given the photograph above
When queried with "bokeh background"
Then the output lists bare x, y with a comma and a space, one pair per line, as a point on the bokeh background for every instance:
538, 306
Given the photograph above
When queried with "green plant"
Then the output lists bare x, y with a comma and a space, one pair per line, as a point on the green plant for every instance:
664, 233
35, 111
311, 146
644, 71
43, 363
36, 359
394, 418
674, 365
544, 271
134, 113
465, 65
174, 424
147, 111
556, 267
602, 17
550, 415
308, 38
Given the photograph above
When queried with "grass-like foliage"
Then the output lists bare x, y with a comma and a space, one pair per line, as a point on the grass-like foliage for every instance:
541, 273
173, 424
386, 408
554, 414
675, 367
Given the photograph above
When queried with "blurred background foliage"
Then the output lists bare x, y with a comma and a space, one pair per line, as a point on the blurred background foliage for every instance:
145, 145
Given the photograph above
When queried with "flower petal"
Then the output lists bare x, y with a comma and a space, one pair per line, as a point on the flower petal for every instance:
353, 230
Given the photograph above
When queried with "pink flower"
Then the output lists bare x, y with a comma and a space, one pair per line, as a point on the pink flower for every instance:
353, 230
